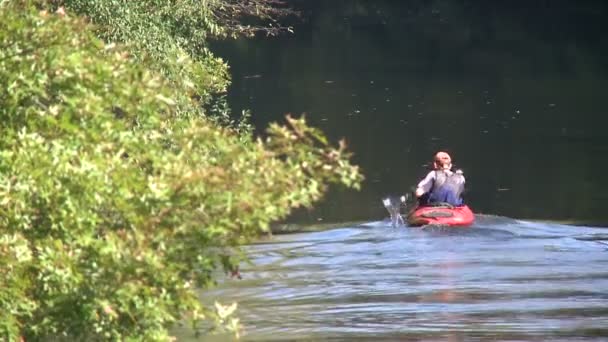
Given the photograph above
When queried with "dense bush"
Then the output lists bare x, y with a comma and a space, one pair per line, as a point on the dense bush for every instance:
172, 36
118, 201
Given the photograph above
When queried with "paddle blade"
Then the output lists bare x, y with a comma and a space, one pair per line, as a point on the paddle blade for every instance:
394, 209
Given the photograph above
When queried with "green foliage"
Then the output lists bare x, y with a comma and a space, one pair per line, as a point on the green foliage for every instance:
15, 304
117, 200
168, 36
172, 36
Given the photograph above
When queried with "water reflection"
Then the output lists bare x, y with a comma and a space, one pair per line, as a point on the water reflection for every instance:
501, 279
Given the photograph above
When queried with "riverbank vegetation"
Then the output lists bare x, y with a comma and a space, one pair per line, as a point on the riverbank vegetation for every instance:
125, 183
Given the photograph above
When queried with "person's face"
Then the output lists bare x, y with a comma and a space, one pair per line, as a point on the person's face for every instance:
442, 160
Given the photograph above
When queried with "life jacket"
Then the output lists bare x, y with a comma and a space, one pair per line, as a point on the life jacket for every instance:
447, 188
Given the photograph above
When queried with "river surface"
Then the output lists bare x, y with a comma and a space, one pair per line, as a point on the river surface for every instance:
499, 280
517, 92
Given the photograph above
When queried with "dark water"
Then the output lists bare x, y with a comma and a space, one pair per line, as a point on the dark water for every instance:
516, 91
500, 280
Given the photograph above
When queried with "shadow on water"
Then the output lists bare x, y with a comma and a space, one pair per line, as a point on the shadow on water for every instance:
501, 279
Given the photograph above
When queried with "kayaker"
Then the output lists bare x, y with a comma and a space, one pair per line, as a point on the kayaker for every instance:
442, 185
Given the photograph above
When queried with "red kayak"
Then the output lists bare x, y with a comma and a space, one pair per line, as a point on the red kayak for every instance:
445, 215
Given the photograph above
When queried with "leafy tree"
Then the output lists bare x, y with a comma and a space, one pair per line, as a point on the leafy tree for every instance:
117, 200
172, 36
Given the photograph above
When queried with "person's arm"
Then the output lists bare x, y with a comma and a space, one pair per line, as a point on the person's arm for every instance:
459, 172
461, 183
425, 185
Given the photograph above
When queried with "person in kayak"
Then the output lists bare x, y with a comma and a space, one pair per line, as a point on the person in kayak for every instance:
442, 185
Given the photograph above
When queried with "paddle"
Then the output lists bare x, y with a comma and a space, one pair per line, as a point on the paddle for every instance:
393, 205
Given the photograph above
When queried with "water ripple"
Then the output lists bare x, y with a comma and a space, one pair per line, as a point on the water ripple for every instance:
502, 279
